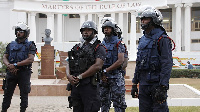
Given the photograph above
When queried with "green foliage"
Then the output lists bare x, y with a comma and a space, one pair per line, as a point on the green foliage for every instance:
187, 73
2, 50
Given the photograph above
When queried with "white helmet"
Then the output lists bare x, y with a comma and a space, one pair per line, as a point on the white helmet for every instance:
22, 26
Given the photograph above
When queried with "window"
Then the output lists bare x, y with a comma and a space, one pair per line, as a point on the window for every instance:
195, 40
167, 19
42, 15
107, 15
74, 16
137, 23
195, 16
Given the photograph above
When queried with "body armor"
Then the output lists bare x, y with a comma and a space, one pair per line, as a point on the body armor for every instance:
81, 58
19, 51
148, 54
112, 51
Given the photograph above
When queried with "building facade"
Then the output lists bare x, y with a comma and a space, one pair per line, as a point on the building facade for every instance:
181, 19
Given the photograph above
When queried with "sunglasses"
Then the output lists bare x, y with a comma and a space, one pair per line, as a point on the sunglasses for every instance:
20, 31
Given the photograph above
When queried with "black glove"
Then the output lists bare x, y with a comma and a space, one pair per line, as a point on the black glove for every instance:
160, 94
134, 91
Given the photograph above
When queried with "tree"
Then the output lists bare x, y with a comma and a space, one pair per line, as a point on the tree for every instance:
2, 50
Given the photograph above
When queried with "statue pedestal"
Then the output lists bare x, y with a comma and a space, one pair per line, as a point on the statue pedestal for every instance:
47, 62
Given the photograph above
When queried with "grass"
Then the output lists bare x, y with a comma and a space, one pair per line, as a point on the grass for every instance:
189, 81
171, 109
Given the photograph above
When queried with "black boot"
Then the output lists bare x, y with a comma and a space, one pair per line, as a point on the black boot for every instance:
22, 109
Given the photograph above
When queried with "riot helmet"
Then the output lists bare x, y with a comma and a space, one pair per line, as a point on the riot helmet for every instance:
89, 25
110, 24
151, 12
108, 21
21, 26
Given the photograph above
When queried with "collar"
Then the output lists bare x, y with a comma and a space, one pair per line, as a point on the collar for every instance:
25, 41
109, 39
152, 32
91, 42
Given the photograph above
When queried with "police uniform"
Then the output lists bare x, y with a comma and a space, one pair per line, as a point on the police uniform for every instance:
85, 94
18, 52
114, 89
153, 67
125, 57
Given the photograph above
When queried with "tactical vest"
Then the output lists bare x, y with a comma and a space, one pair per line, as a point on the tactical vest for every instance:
19, 51
112, 51
81, 58
148, 54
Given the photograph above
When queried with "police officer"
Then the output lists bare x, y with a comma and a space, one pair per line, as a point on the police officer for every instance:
153, 63
85, 62
112, 85
18, 58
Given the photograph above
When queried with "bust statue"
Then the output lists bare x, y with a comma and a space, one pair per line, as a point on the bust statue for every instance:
47, 39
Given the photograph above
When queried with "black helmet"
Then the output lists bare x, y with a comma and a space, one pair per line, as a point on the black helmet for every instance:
110, 24
89, 24
153, 13
22, 26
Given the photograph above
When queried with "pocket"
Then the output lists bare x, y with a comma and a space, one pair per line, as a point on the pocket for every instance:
154, 62
153, 77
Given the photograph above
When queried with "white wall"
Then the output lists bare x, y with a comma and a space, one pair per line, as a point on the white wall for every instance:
71, 29
195, 35
5, 25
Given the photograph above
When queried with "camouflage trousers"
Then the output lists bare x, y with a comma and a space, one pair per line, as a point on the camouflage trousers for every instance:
113, 90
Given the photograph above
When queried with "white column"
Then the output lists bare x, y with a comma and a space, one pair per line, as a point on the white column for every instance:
133, 36
100, 33
178, 27
113, 16
90, 17
120, 22
32, 36
59, 28
187, 28
82, 20
50, 25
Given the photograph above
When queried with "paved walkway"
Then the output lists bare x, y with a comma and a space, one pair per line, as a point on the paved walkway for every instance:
178, 95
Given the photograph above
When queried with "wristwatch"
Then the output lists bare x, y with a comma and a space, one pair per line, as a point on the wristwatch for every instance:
104, 70
15, 64
79, 77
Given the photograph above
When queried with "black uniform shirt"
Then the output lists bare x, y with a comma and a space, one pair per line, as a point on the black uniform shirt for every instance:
100, 52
